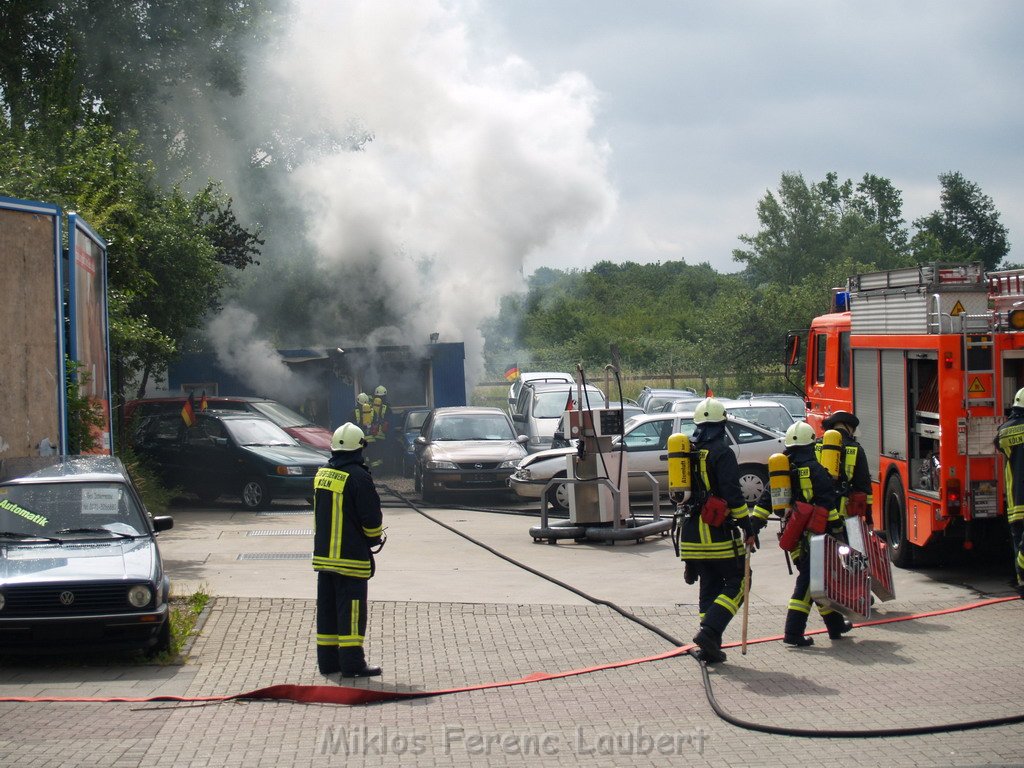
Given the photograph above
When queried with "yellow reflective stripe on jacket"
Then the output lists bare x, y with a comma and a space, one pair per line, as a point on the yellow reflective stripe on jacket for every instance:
358, 568
373, 533
718, 550
1014, 507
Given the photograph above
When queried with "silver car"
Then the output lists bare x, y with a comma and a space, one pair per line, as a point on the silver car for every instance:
646, 443
466, 449
766, 413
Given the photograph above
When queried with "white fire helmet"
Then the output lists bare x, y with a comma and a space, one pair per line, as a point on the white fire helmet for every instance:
799, 433
1018, 399
381, 391
348, 437
709, 410
362, 398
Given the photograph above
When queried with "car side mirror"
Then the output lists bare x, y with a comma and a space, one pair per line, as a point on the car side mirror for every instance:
163, 523
421, 440
519, 417
522, 439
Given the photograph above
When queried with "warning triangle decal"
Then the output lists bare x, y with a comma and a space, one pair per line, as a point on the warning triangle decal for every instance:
976, 385
958, 309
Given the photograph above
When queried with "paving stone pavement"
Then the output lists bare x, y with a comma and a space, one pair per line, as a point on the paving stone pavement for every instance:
942, 669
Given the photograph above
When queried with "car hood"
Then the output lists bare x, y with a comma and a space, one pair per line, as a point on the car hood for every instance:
476, 450
550, 453
311, 435
287, 454
76, 560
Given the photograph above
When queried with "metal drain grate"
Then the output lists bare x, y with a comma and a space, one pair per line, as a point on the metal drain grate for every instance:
275, 556
286, 532
268, 513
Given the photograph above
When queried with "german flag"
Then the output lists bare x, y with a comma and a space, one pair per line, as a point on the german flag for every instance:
512, 372
188, 411
203, 405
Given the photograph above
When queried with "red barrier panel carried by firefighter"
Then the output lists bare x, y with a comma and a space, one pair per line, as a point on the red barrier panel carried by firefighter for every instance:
840, 577
864, 540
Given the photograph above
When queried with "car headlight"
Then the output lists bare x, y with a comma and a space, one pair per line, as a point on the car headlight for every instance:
441, 465
283, 470
140, 595
510, 464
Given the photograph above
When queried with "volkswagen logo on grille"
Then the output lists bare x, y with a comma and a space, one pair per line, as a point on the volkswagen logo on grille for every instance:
67, 597
478, 466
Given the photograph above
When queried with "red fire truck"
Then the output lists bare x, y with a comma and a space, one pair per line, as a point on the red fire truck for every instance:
929, 359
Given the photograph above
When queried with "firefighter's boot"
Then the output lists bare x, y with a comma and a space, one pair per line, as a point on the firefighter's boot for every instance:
796, 623
710, 643
353, 664
837, 625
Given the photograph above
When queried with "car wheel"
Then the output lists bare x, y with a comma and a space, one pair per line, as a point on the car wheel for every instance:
163, 639
255, 494
901, 551
753, 482
558, 495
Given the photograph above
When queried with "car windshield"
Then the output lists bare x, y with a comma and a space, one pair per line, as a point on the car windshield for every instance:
771, 416
551, 405
415, 420
56, 510
472, 428
282, 416
257, 432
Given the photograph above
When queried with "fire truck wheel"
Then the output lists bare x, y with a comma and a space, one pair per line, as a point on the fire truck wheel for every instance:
558, 495
255, 494
900, 550
753, 481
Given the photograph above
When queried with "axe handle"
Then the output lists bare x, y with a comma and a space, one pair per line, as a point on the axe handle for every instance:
746, 600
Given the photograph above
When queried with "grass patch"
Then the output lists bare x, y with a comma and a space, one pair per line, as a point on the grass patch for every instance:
184, 613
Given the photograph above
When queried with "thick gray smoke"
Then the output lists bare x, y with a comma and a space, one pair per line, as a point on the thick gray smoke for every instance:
474, 164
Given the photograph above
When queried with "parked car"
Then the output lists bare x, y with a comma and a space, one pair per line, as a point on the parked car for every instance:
466, 448
79, 562
228, 453
292, 422
408, 431
795, 404
536, 376
540, 406
767, 413
652, 400
646, 443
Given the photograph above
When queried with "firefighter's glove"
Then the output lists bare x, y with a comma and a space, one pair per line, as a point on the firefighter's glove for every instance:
689, 572
377, 544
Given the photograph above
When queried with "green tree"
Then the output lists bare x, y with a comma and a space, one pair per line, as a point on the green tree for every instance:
966, 226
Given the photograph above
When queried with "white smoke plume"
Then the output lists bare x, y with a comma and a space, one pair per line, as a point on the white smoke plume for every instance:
474, 163
239, 350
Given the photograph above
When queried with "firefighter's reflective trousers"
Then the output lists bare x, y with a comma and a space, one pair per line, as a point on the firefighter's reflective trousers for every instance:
340, 621
800, 603
1017, 534
721, 591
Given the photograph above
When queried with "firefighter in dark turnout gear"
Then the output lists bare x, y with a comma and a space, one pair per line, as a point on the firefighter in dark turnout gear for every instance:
854, 475
715, 552
347, 531
1010, 442
811, 483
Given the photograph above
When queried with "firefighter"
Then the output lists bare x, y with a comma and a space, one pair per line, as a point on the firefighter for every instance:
1010, 442
363, 414
379, 427
854, 475
811, 483
716, 528
347, 532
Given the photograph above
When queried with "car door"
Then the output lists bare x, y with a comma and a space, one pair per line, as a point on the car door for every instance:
646, 447
208, 457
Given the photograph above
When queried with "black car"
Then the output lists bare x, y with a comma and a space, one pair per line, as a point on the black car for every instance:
412, 420
228, 453
79, 562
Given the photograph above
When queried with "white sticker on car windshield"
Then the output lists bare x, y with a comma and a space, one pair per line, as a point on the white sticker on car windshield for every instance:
100, 501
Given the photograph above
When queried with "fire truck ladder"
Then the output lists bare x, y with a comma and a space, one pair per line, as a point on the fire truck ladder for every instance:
977, 340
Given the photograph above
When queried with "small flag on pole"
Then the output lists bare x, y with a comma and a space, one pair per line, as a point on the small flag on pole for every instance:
188, 411
203, 405
708, 392
512, 372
